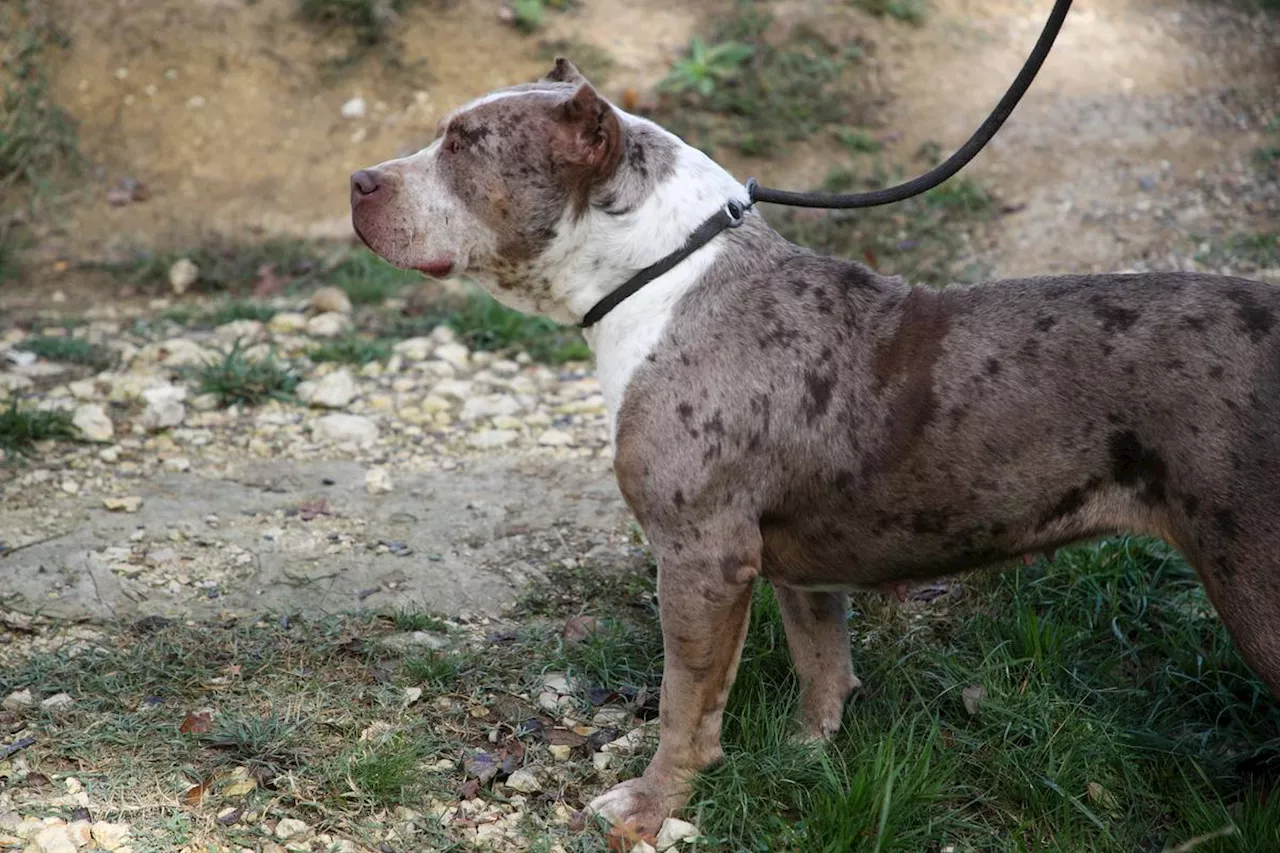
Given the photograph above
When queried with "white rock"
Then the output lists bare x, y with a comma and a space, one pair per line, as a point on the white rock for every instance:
431, 404
642, 847
633, 741
177, 464
80, 833
164, 407
603, 760
335, 391
524, 780
674, 831
560, 752
238, 329
378, 482
505, 368
354, 108
489, 406
611, 718
328, 325
83, 389
17, 700
455, 354
452, 389
110, 836
287, 322
290, 827
490, 438
556, 438
182, 274
54, 839
342, 427
132, 503
180, 352
330, 299
415, 349
93, 422
58, 702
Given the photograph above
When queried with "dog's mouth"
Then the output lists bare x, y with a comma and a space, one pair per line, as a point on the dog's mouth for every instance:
436, 268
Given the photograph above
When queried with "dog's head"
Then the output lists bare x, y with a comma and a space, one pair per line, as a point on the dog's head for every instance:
494, 194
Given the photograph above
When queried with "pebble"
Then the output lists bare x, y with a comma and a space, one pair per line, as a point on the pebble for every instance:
491, 438
110, 836
458, 390
415, 640
488, 406
17, 700
54, 839
335, 391
354, 108
674, 831
556, 438
93, 422
165, 407
58, 702
328, 325
287, 323
132, 503
377, 481
290, 827
454, 354
330, 300
341, 428
524, 780
182, 274
415, 349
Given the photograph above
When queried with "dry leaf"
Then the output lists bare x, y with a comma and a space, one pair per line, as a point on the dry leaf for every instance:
973, 696
194, 795
196, 722
239, 789
578, 628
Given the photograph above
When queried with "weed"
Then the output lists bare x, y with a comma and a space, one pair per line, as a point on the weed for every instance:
857, 141
919, 238
907, 11
351, 350
236, 309
741, 89
485, 324
22, 427
266, 744
36, 137
70, 350
385, 773
368, 20
434, 669
414, 619
369, 280
1268, 160
529, 15
225, 266
595, 63
241, 380
1243, 251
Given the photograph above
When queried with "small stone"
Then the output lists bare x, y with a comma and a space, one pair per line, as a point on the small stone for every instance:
287, 323
335, 391
58, 702
110, 836
524, 780
560, 752
340, 428
415, 349
406, 640
455, 354
182, 274
177, 464
131, 503
290, 827
93, 422
328, 325
354, 108
452, 389
17, 700
71, 487
491, 438
164, 407
180, 352
412, 695
602, 761
80, 833
614, 718
642, 847
431, 404
674, 831
556, 438
972, 697
378, 482
632, 742
54, 839
489, 406
330, 299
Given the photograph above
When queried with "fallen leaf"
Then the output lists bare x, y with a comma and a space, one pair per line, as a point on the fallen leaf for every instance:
269, 284
230, 816
482, 766
972, 697
469, 789
240, 789
194, 795
578, 628
625, 836
196, 723
564, 737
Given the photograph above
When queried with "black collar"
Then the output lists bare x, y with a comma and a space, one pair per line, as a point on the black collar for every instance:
729, 216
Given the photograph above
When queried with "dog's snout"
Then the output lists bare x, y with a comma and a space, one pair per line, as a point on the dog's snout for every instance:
366, 182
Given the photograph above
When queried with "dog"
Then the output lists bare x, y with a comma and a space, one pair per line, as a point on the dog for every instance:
777, 414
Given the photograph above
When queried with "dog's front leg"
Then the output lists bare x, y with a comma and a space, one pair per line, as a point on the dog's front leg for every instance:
818, 637
705, 602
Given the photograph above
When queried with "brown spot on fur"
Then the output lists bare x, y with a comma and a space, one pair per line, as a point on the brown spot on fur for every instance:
1132, 464
1113, 317
903, 368
993, 366
1044, 324
819, 399
1071, 502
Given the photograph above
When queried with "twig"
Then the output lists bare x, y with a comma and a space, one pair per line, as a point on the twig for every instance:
14, 748
6, 550
1188, 846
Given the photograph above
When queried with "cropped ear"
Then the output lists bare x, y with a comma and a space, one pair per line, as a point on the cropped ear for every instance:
565, 71
589, 132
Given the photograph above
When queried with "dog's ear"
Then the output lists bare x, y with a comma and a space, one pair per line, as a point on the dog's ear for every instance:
565, 71
590, 132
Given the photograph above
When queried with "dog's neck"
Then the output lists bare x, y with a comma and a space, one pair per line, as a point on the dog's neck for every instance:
606, 250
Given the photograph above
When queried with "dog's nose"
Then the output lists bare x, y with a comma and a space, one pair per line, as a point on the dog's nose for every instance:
365, 182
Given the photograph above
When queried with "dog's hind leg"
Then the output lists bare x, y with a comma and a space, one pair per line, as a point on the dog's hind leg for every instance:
1243, 581
704, 597
818, 637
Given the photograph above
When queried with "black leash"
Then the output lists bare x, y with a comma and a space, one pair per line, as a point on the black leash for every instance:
731, 215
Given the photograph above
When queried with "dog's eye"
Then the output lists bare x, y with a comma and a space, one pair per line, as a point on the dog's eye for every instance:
452, 145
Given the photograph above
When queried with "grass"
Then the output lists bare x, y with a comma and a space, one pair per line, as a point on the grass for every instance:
741, 90
594, 62
1117, 717
352, 349
907, 11
68, 350
368, 21
226, 265
240, 380
1244, 252
920, 239
37, 137
21, 427
369, 280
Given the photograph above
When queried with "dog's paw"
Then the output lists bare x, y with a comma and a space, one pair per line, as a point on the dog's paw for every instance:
639, 805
